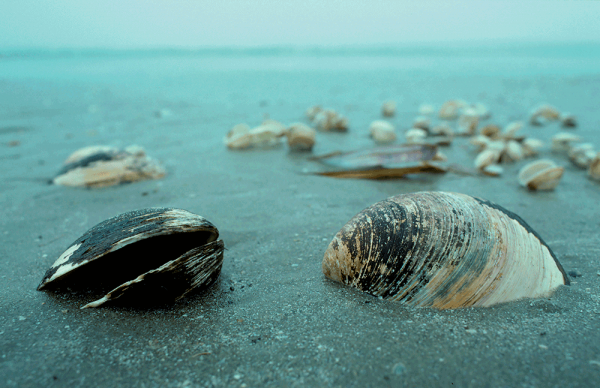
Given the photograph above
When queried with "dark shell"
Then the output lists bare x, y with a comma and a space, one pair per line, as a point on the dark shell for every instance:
443, 250
144, 256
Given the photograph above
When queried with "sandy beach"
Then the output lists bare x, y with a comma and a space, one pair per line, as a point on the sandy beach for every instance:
273, 319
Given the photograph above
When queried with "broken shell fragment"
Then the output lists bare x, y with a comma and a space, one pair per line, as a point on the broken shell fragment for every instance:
451, 109
101, 166
330, 120
312, 112
594, 169
561, 142
149, 256
568, 120
300, 137
542, 174
382, 132
442, 250
388, 109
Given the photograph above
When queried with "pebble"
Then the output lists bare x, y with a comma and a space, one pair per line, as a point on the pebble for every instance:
575, 274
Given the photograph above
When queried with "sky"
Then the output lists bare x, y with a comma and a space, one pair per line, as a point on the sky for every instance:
257, 23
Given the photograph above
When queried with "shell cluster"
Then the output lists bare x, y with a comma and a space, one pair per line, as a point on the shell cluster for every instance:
155, 255
101, 166
442, 250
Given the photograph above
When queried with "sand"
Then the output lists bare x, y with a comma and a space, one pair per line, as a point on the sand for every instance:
273, 319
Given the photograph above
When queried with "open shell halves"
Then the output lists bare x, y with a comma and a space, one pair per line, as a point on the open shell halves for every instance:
443, 250
147, 256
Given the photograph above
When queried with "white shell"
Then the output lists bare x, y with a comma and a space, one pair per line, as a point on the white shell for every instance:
382, 132
388, 109
542, 174
561, 142
451, 109
426, 109
421, 122
415, 136
330, 120
486, 158
582, 154
531, 147
442, 129
300, 137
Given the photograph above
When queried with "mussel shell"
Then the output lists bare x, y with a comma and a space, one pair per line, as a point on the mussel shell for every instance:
166, 249
443, 250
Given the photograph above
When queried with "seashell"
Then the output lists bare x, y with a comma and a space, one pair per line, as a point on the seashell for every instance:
451, 109
415, 136
101, 166
481, 110
487, 157
491, 130
543, 113
511, 129
480, 141
492, 170
382, 132
329, 120
468, 121
147, 256
312, 112
513, 152
442, 250
421, 122
582, 154
426, 109
594, 169
531, 147
388, 109
542, 174
568, 120
442, 129
238, 138
300, 137
561, 142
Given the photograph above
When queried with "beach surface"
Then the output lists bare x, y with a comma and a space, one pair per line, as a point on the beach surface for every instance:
273, 319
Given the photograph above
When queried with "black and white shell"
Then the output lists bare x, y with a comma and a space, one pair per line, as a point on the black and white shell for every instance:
146, 256
442, 250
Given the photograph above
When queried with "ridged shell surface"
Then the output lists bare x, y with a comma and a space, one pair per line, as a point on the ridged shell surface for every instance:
442, 250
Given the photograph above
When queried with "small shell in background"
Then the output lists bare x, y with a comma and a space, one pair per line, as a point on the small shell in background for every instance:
491, 130
421, 122
450, 110
312, 112
442, 250
513, 152
481, 110
330, 120
542, 114
480, 141
102, 166
442, 129
468, 122
582, 154
268, 134
531, 147
487, 157
510, 131
568, 120
388, 109
382, 132
426, 109
542, 174
562, 141
144, 257
300, 137
415, 136
492, 170
238, 138
594, 169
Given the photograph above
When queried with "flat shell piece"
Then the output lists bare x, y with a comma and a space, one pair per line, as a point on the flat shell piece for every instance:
125, 247
101, 166
379, 156
442, 250
388, 172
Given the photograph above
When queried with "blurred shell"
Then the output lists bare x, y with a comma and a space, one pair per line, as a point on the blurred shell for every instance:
451, 109
513, 152
267, 134
481, 110
101, 166
147, 256
510, 131
442, 129
531, 147
468, 122
582, 154
594, 169
426, 109
238, 138
442, 250
312, 112
543, 113
487, 157
300, 137
492, 170
491, 130
388, 109
330, 120
421, 122
382, 132
415, 136
542, 174
568, 120
561, 142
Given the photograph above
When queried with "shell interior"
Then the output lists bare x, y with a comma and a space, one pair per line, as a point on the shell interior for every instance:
123, 248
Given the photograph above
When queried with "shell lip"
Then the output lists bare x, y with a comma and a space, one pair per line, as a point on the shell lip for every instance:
96, 241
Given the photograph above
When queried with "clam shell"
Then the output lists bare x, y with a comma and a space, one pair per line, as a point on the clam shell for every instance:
594, 169
102, 166
542, 174
382, 132
147, 256
300, 137
388, 109
442, 250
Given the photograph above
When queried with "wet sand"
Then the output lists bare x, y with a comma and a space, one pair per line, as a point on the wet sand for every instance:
273, 319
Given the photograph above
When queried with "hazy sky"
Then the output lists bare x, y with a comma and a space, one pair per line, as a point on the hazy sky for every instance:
187, 23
